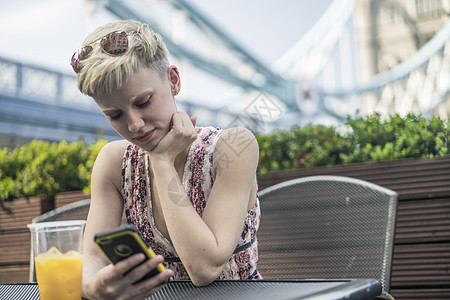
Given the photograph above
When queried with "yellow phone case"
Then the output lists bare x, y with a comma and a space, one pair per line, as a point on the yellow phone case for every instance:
122, 242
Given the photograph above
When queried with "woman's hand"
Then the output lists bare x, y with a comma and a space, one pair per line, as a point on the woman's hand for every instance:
181, 134
110, 283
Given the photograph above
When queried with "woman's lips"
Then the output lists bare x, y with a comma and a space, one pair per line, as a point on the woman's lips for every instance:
145, 137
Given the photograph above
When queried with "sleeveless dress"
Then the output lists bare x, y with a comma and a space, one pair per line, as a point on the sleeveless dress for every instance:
197, 181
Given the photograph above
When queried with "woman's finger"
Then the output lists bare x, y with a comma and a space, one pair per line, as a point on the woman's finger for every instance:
116, 272
152, 285
194, 120
183, 123
143, 269
180, 118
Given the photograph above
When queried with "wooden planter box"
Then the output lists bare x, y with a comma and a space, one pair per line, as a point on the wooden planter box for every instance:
15, 237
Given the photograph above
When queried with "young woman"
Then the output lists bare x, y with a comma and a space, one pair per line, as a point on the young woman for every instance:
190, 191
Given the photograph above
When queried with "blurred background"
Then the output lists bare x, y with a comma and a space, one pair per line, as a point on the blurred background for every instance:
260, 64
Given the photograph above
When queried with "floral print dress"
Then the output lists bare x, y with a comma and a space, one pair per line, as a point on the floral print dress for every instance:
197, 181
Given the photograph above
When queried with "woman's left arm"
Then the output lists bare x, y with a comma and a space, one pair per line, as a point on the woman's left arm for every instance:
206, 244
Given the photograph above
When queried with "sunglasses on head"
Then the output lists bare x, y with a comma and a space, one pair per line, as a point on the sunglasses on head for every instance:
114, 43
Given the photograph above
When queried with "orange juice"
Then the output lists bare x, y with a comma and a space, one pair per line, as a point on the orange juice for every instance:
59, 275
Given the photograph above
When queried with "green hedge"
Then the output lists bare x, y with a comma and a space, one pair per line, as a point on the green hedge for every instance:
44, 169
364, 139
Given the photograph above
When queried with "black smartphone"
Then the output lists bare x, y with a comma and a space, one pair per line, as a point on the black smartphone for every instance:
123, 242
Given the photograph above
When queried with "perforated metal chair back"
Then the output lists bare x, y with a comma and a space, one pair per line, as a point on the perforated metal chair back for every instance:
327, 227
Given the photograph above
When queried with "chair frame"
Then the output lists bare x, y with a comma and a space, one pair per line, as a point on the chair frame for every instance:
392, 211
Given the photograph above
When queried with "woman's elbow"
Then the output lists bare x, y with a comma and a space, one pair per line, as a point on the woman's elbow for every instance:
204, 275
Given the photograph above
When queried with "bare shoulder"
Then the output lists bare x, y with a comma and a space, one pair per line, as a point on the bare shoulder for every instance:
236, 147
113, 150
108, 164
238, 140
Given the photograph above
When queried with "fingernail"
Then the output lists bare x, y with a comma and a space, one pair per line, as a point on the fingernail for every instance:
141, 256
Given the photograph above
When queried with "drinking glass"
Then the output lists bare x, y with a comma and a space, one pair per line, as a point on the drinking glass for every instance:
57, 248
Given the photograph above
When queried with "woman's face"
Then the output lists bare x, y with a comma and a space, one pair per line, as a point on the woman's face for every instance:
141, 111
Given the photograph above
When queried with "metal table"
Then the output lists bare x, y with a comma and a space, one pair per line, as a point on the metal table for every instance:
333, 289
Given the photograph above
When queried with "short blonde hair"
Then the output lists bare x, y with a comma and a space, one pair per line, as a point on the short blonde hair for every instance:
102, 74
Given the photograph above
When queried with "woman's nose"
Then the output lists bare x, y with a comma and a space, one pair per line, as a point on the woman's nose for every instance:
135, 122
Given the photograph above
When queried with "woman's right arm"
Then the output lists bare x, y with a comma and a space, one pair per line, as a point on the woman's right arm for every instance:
102, 280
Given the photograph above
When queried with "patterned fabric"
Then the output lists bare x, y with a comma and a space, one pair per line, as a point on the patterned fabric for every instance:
197, 181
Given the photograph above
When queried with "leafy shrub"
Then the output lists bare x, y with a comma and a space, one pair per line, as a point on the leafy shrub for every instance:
368, 139
86, 169
374, 139
43, 169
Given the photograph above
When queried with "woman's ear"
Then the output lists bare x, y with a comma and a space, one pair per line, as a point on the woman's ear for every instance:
174, 79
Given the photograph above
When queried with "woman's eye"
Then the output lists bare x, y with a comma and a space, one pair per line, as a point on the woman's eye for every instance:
144, 102
114, 117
